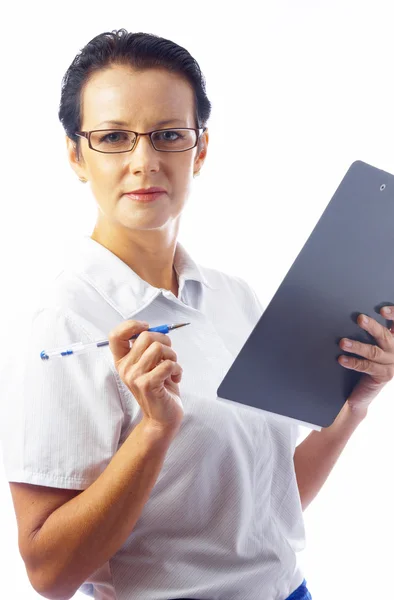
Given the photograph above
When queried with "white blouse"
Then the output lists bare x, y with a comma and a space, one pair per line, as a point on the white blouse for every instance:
224, 519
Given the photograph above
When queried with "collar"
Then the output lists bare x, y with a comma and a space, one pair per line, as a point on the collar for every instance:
118, 284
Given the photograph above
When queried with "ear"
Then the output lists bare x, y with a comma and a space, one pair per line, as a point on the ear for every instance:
202, 147
77, 165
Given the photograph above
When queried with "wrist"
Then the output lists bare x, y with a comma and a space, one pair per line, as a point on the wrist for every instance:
354, 413
159, 431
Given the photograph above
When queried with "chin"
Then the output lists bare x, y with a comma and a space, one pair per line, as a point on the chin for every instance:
155, 222
155, 219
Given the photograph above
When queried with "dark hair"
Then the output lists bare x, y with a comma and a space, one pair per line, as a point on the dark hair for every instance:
138, 50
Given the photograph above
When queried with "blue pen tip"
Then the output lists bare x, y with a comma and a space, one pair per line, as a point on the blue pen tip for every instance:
44, 356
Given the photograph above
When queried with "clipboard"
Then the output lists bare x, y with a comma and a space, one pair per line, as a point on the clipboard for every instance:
288, 365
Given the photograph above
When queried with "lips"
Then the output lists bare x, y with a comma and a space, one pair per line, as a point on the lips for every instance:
145, 197
150, 190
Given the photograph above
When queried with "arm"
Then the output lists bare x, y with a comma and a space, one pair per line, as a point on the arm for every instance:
82, 534
315, 457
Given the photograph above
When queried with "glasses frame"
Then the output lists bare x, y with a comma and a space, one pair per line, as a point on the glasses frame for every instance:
86, 134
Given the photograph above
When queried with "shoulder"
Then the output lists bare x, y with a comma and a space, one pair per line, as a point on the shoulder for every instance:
69, 304
68, 292
221, 279
58, 317
235, 285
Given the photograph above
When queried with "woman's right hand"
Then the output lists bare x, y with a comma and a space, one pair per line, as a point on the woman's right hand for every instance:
151, 372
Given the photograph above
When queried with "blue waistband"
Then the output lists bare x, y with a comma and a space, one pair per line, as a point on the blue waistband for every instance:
301, 593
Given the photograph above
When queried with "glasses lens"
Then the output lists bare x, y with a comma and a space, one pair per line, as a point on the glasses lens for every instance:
112, 141
174, 140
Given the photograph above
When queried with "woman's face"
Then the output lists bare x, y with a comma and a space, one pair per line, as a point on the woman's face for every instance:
142, 100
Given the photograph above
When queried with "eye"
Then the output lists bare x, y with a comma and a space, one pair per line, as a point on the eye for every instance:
173, 140
169, 135
114, 137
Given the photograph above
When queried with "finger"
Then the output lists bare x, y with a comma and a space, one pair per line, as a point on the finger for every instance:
380, 373
153, 355
146, 339
369, 351
175, 378
166, 369
381, 334
119, 337
388, 313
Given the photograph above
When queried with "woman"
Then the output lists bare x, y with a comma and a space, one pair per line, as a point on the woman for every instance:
129, 477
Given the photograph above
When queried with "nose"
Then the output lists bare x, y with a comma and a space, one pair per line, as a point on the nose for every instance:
144, 157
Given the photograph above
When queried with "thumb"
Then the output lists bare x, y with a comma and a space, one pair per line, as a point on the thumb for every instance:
119, 337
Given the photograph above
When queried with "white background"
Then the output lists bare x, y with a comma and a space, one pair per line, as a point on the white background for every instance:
300, 90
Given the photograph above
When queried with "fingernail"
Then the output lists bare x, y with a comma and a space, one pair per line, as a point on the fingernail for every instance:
144, 323
347, 343
387, 310
365, 320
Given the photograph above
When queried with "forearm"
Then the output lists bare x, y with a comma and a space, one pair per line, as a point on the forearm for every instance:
315, 457
84, 533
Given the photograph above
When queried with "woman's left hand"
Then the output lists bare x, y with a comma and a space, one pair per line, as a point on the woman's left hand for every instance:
377, 363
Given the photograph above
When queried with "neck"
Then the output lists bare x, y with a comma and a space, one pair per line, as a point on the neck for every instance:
150, 254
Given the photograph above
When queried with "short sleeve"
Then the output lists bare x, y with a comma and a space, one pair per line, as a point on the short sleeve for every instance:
64, 415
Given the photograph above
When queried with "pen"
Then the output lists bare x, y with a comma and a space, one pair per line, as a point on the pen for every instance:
79, 348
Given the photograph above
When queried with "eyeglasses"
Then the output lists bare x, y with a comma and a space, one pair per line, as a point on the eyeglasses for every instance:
114, 141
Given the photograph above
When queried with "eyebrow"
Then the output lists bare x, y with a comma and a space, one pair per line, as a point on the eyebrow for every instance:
121, 123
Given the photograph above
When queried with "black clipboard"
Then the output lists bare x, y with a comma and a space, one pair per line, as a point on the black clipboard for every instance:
288, 365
